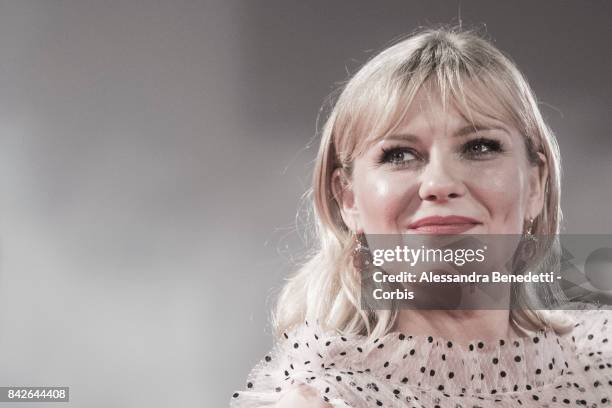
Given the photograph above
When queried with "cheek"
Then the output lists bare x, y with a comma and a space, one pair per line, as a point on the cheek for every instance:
382, 199
501, 191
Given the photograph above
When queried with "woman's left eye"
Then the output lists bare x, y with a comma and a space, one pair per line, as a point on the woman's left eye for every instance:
481, 147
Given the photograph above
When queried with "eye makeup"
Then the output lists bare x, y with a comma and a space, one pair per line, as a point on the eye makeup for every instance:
479, 148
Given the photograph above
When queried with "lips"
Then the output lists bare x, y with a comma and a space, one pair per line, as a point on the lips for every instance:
443, 225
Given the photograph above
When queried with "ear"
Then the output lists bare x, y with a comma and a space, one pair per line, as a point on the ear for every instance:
538, 178
345, 197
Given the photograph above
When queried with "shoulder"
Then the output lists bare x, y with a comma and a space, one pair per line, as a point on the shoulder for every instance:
302, 396
591, 330
296, 372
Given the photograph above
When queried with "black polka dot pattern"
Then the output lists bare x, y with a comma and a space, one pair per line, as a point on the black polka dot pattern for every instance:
544, 369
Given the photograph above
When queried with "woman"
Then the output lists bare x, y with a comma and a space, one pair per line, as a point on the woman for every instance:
437, 134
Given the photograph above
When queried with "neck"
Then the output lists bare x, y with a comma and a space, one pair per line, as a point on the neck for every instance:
461, 326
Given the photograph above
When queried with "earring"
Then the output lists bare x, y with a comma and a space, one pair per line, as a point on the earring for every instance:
362, 257
529, 233
530, 242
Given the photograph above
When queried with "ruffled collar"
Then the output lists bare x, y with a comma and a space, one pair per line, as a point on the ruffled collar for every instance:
429, 362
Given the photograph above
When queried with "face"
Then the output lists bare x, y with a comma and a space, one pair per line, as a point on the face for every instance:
440, 173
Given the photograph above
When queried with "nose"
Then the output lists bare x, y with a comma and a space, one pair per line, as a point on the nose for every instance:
439, 181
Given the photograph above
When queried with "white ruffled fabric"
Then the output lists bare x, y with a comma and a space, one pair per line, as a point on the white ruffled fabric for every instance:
398, 370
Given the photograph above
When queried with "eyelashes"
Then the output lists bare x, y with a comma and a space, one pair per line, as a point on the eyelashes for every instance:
396, 155
481, 148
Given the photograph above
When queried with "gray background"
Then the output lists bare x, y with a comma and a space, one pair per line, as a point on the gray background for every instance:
153, 155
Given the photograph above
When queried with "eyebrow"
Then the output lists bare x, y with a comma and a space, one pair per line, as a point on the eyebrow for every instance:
467, 130
462, 132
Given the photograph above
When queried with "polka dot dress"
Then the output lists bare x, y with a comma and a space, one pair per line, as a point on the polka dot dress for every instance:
399, 370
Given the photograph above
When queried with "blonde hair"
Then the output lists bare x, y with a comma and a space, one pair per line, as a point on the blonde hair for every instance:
461, 67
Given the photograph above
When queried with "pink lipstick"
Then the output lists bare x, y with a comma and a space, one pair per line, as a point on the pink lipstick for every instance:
452, 224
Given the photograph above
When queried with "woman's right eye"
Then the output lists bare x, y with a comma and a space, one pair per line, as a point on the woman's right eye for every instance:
397, 156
